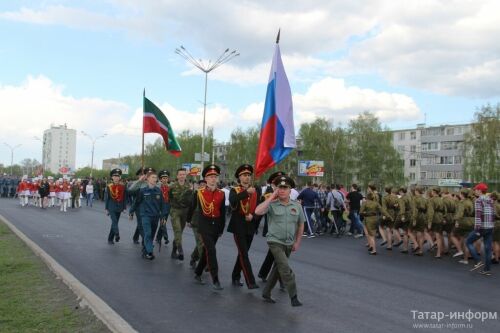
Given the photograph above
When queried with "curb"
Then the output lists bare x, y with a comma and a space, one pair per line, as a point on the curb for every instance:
102, 310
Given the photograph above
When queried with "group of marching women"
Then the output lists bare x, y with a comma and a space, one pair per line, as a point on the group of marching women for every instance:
440, 219
156, 200
47, 193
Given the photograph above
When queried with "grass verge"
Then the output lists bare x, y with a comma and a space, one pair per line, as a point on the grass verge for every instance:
32, 299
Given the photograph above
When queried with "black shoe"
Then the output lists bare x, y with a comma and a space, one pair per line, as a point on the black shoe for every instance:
148, 256
398, 244
192, 263
136, 241
268, 299
199, 280
117, 238
383, 243
167, 241
217, 286
388, 248
253, 286
180, 257
110, 242
262, 278
404, 251
295, 301
237, 283
494, 261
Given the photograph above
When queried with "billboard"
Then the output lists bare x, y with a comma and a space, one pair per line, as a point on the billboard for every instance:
123, 167
312, 168
193, 169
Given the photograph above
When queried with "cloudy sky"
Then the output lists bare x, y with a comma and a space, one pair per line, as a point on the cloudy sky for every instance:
85, 63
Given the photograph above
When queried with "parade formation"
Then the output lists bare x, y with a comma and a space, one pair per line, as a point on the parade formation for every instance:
415, 220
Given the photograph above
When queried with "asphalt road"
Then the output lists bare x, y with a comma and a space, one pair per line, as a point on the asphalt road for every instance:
343, 288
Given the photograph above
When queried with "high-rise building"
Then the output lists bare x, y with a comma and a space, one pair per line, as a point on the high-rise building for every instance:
432, 155
59, 149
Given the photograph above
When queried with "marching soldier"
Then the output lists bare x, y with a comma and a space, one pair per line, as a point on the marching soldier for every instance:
391, 205
371, 210
406, 217
115, 204
422, 210
133, 190
164, 176
180, 199
286, 225
464, 223
210, 202
151, 206
266, 266
197, 251
243, 200
450, 205
436, 218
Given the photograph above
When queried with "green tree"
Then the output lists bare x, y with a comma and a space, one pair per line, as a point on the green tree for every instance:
372, 155
242, 148
482, 147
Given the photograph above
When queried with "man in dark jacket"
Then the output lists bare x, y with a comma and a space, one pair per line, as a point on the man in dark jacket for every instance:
243, 199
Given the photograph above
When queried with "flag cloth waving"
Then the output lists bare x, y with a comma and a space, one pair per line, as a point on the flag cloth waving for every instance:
154, 121
277, 133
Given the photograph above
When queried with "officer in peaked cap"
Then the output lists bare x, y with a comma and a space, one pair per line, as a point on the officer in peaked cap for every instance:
284, 181
209, 170
115, 172
242, 169
163, 173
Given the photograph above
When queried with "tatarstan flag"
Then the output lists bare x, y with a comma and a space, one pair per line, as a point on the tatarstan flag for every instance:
154, 121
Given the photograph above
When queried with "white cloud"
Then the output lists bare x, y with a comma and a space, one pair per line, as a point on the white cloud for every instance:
441, 46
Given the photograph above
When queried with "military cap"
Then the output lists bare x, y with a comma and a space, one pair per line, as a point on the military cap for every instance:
211, 169
244, 168
271, 178
115, 172
284, 181
163, 173
149, 170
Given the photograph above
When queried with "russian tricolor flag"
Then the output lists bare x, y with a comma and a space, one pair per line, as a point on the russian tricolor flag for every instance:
277, 133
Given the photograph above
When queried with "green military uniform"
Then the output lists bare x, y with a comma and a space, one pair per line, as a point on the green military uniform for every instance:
423, 209
181, 197
464, 217
451, 209
197, 251
283, 222
370, 210
390, 203
407, 204
435, 216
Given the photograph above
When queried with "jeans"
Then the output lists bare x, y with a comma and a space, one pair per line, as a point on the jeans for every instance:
90, 198
487, 235
355, 222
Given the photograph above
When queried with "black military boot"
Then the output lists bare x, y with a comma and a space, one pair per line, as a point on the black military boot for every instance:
174, 251
295, 301
181, 253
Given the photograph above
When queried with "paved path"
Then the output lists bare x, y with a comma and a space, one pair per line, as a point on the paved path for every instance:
343, 288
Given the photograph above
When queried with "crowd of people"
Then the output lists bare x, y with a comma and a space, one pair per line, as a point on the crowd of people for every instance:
414, 220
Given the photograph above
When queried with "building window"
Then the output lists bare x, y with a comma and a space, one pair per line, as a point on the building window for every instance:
458, 160
450, 131
429, 146
401, 136
412, 175
449, 175
446, 160
413, 135
413, 163
413, 149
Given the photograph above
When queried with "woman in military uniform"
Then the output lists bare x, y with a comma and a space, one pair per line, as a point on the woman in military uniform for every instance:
464, 223
450, 204
391, 205
435, 219
370, 210
420, 222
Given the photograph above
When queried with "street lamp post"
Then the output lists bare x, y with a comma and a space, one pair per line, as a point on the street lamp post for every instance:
93, 146
11, 155
226, 56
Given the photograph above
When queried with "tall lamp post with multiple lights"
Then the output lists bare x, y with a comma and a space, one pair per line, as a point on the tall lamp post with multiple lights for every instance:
206, 68
93, 146
11, 154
